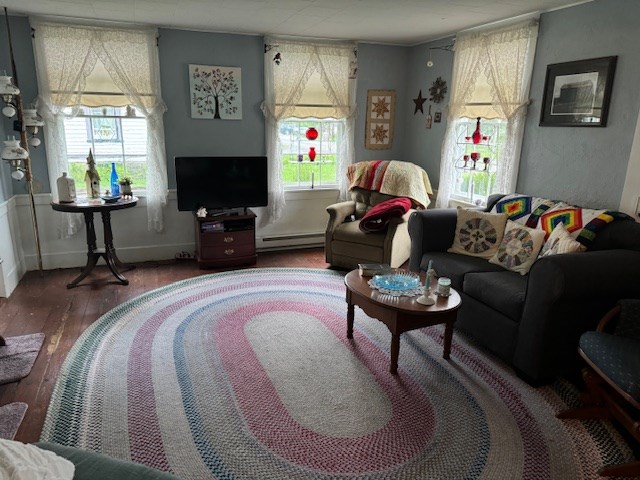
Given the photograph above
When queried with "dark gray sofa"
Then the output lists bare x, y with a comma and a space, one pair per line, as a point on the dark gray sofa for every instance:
533, 322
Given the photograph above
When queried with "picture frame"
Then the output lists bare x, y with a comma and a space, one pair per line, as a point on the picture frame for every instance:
381, 112
577, 94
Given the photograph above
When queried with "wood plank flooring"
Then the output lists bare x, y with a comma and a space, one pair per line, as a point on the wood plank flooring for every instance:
43, 304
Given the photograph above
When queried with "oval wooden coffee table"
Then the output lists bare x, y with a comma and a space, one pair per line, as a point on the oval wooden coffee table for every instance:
400, 314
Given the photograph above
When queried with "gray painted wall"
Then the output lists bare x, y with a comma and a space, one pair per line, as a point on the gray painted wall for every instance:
381, 67
587, 165
187, 136
26, 69
423, 146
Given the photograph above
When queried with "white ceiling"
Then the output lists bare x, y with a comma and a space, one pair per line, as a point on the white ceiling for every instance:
402, 22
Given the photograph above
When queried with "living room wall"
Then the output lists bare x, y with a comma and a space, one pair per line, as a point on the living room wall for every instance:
584, 165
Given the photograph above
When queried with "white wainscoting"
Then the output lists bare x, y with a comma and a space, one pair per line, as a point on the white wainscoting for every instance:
302, 225
12, 261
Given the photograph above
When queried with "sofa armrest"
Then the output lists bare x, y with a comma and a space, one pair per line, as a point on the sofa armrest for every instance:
430, 231
566, 296
338, 212
96, 466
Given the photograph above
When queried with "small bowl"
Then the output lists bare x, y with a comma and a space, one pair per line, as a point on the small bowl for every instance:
110, 198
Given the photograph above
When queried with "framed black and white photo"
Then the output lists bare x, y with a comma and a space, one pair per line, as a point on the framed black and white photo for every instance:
577, 94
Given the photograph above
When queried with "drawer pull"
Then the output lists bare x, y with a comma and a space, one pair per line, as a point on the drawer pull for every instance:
229, 251
228, 239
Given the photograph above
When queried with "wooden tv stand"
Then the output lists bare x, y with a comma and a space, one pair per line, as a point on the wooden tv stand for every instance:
226, 239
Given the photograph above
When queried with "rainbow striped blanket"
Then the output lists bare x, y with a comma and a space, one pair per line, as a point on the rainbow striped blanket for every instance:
392, 177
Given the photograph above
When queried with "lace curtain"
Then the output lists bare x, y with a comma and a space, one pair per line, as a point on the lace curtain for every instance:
502, 60
65, 56
285, 81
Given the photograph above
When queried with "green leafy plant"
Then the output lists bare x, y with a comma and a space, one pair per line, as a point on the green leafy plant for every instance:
125, 181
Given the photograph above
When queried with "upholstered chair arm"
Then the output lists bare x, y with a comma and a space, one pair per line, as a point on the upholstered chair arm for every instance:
338, 212
609, 317
397, 242
567, 295
430, 231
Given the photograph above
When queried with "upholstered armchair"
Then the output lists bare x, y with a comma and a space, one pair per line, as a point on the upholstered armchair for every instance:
371, 183
612, 376
346, 245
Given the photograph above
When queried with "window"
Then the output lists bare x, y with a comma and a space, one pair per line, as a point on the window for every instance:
474, 180
99, 89
114, 134
307, 84
298, 171
491, 79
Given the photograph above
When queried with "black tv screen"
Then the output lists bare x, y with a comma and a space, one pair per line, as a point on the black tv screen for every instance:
221, 182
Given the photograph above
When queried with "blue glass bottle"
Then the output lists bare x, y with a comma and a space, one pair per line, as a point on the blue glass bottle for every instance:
115, 186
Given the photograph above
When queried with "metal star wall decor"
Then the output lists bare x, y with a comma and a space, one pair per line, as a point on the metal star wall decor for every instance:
419, 103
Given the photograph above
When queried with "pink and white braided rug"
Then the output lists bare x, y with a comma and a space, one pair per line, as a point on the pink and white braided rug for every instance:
249, 375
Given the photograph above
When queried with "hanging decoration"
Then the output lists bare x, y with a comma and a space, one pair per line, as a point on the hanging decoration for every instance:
429, 119
311, 133
216, 92
381, 110
419, 101
438, 90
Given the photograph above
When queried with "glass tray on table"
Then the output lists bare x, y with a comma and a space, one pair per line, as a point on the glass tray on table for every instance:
397, 283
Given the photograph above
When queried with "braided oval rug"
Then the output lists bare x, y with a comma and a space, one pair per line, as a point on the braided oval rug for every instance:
249, 375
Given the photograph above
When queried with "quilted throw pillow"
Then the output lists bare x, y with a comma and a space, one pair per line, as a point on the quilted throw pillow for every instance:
519, 248
560, 241
478, 234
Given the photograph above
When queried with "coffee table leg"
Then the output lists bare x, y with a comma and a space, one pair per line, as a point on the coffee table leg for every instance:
350, 315
448, 335
395, 353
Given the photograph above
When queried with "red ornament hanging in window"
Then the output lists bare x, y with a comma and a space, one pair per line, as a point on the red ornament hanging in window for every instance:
312, 153
312, 133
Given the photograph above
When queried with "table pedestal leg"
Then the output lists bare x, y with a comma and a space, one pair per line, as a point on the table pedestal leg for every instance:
92, 255
448, 336
395, 353
350, 315
110, 252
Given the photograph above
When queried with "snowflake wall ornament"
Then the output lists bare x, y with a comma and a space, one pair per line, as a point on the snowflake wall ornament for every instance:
216, 92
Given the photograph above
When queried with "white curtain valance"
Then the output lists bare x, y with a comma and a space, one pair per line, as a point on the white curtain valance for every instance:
71, 57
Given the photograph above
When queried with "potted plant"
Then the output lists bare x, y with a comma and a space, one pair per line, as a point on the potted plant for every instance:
125, 186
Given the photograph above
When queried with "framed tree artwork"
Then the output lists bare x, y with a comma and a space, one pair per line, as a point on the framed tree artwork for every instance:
381, 111
577, 94
216, 92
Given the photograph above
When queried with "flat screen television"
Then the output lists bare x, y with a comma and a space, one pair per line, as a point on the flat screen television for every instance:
221, 182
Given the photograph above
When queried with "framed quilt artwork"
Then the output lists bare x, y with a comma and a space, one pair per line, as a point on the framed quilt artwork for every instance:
381, 111
216, 92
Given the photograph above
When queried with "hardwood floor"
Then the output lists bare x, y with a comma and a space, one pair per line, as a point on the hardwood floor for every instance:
44, 304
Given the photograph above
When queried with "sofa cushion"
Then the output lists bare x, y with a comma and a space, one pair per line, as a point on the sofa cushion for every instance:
502, 291
456, 266
478, 233
560, 241
519, 248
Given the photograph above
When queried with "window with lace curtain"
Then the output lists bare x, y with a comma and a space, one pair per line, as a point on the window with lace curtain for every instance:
99, 89
307, 84
491, 78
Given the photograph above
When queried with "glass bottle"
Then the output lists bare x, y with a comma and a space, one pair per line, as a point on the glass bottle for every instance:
66, 189
477, 135
115, 186
312, 153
